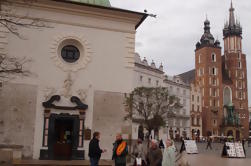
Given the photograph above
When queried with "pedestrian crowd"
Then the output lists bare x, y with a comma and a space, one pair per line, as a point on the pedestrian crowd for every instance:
159, 153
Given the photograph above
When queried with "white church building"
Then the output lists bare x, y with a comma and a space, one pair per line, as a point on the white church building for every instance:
81, 64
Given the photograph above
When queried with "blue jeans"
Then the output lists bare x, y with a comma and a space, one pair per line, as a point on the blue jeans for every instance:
94, 161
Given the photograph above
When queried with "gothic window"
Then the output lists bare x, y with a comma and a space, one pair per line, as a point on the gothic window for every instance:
239, 56
240, 84
214, 71
215, 122
199, 60
214, 92
214, 82
239, 65
227, 96
214, 102
70, 53
192, 97
213, 56
198, 98
198, 120
241, 105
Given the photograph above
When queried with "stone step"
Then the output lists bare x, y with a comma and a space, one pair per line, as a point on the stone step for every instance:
58, 162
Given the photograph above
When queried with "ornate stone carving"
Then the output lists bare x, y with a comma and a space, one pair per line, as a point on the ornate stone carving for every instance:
82, 93
71, 39
67, 88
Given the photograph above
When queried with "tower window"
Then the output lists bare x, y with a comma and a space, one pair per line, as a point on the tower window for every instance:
214, 81
214, 71
239, 65
199, 60
213, 56
215, 122
239, 56
214, 103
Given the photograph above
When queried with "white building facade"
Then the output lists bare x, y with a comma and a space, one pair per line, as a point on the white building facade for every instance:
150, 75
78, 78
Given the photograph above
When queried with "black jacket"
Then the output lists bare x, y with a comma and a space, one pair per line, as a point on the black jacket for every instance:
94, 149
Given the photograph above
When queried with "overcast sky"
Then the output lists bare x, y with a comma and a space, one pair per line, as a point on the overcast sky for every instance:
171, 37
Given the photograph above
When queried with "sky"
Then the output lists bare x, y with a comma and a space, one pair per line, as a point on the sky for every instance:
170, 38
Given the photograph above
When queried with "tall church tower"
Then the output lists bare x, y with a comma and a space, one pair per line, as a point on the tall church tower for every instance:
208, 77
234, 64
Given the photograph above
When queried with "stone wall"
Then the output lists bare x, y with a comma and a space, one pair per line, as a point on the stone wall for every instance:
108, 119
18, 105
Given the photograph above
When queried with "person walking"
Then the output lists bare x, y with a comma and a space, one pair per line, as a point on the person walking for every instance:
94, 149
169, 154
181, 158
154, 155
209, 143
120, 151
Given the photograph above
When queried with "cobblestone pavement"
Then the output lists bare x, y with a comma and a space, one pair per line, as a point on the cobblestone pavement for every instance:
213, 157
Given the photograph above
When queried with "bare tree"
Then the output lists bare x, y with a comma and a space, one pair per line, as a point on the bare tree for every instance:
12, 21
12, 66
151, 106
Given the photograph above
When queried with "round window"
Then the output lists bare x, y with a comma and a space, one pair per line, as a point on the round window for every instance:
70, 53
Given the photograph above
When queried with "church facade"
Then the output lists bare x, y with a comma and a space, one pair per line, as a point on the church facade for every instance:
222, 80
81, 65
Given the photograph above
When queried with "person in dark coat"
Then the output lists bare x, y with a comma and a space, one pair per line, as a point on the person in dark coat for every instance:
120, 151
154, 155
94, 149
209, 143
161, 144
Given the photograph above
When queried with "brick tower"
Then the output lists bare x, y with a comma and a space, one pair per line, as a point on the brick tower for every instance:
208, 77
234, 64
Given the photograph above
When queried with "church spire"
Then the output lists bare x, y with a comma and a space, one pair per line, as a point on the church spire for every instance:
207, 39
232, 27
231, 16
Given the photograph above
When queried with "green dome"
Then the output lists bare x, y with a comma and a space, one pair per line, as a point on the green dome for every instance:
105, 3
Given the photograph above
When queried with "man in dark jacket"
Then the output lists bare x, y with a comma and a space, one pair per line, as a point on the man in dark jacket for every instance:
154, 155
120, 150
94, 149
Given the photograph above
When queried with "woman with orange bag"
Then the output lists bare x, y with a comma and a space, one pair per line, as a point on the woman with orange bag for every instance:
120, 150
